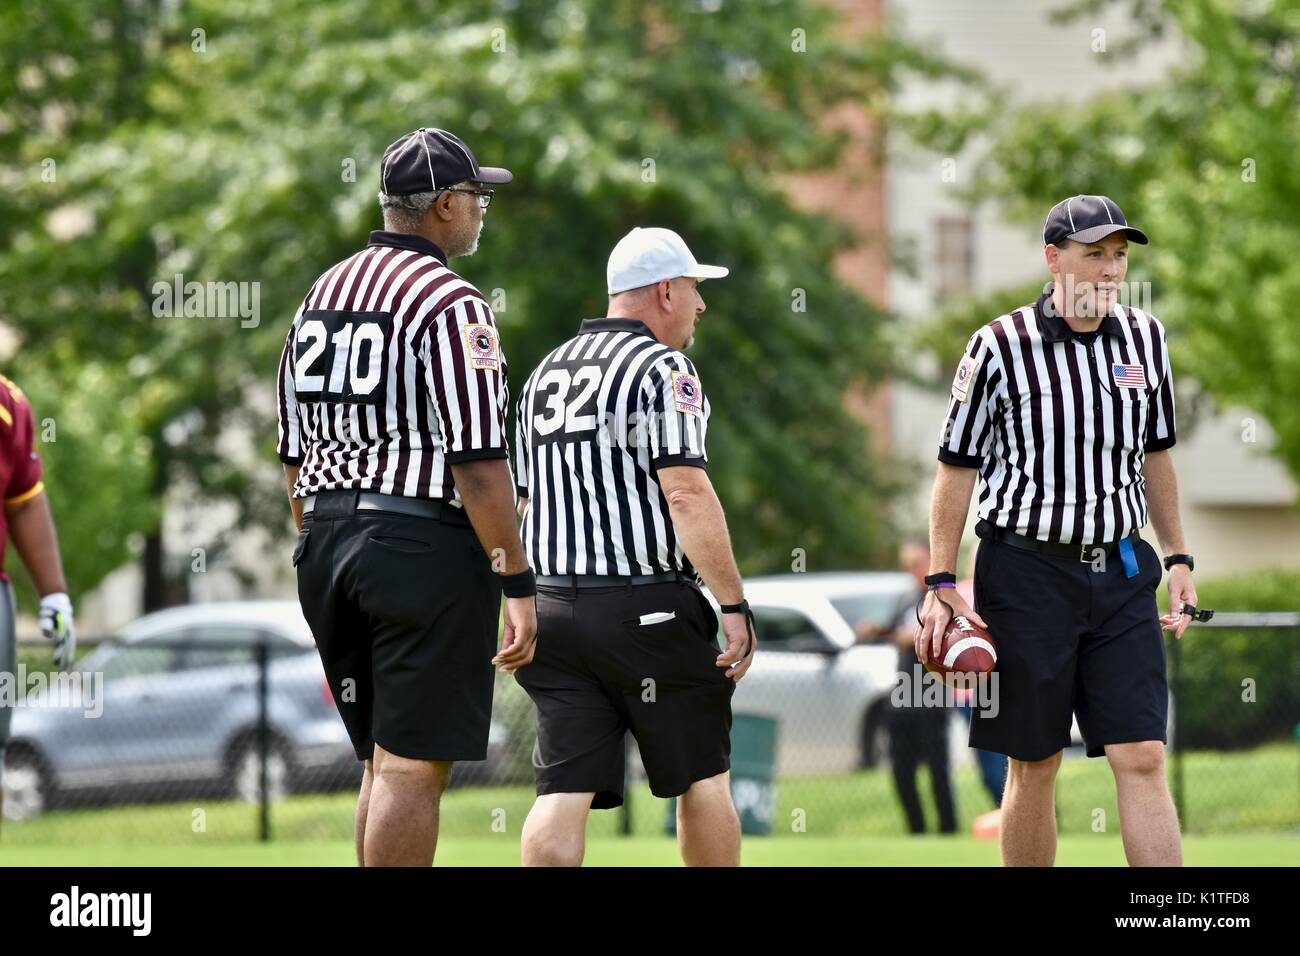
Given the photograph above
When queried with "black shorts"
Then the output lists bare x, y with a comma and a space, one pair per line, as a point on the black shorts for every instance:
1070, 640
599, 672
405, 612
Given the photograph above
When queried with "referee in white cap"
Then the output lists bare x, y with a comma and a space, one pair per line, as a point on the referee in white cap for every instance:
619, 518
1064, 411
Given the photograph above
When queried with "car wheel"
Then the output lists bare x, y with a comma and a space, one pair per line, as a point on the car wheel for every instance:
245, 771
27, 786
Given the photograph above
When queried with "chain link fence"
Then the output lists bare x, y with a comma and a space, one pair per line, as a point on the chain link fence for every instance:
225, 737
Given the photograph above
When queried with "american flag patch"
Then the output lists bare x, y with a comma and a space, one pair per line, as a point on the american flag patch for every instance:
1129, 376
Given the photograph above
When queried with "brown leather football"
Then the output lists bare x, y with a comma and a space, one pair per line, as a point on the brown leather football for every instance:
967, 648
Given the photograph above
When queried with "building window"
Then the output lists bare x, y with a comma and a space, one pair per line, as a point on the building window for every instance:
954, 258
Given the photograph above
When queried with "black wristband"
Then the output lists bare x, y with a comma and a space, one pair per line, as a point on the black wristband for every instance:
1186, 559
742, 608
943, 577
523, 584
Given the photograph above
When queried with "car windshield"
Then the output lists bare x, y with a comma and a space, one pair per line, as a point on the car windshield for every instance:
879, 607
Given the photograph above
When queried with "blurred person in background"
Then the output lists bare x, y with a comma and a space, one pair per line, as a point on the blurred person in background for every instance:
27, 519
916, 734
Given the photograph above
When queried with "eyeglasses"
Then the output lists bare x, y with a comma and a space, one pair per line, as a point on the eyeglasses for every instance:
484, 195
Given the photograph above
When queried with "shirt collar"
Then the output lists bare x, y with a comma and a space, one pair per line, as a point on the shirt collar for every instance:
615, 325
406, 240
1054, 328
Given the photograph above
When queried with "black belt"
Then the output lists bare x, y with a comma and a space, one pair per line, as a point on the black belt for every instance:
339, 502
572, 581
1087, 552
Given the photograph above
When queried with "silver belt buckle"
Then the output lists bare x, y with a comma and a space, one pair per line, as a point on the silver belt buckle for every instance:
1083, 553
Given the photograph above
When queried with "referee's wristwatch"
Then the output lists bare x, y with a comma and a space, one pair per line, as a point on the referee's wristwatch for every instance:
1180, 559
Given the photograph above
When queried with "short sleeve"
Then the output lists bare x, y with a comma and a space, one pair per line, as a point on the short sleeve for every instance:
291, 445
465, 372
19, 430
676, 412
1161, 433
521, 445
966, 437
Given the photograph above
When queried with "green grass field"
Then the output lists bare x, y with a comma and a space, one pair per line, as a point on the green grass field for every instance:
1243, 808
794, 850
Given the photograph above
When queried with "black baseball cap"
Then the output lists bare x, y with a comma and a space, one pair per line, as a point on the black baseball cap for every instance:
1087, 219
430, 159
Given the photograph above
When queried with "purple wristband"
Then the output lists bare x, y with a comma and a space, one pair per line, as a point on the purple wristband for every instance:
942, 584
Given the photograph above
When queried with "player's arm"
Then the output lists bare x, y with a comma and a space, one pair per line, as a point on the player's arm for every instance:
1162, 502
291, 442
949, 503
965, 441
1161, 484
487, 490
31, 525
522, 506
701, 527
463, 340
295, 504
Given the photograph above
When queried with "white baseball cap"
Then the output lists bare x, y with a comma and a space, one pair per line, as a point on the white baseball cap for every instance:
650, 255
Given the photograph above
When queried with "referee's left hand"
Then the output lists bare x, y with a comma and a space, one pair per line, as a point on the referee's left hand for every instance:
1181, 592
519, 636
741, 644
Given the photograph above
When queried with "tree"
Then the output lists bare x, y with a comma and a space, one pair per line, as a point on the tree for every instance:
1205, 164
219, 144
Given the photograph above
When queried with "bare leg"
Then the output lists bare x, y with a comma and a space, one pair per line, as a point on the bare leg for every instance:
555, 833
1147, 818
363, 804
708, 830
402, 814
1028, 830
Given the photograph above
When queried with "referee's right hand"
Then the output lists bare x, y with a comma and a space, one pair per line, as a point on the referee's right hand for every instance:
519, 635
941, 606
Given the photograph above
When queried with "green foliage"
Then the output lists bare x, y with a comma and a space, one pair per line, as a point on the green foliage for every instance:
1215, 663
96, 465
232, 163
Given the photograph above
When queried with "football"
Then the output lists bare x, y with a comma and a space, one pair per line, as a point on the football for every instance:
967, 648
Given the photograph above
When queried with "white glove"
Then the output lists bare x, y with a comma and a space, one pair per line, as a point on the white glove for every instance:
56, 624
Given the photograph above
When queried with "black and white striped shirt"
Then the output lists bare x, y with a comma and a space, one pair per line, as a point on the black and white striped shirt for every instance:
1059, 422
391, 371
595, 420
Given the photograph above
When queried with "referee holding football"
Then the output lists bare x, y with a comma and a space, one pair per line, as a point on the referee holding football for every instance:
392, 402
618, 515
1064, 409
26, 518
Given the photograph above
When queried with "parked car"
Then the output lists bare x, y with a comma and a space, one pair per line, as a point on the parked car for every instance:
180, 716
829, 692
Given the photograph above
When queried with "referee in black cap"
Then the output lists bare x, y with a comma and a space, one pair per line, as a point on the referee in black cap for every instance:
1064, 410
392, 404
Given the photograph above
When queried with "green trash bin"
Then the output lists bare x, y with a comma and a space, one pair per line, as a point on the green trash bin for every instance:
753, 775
